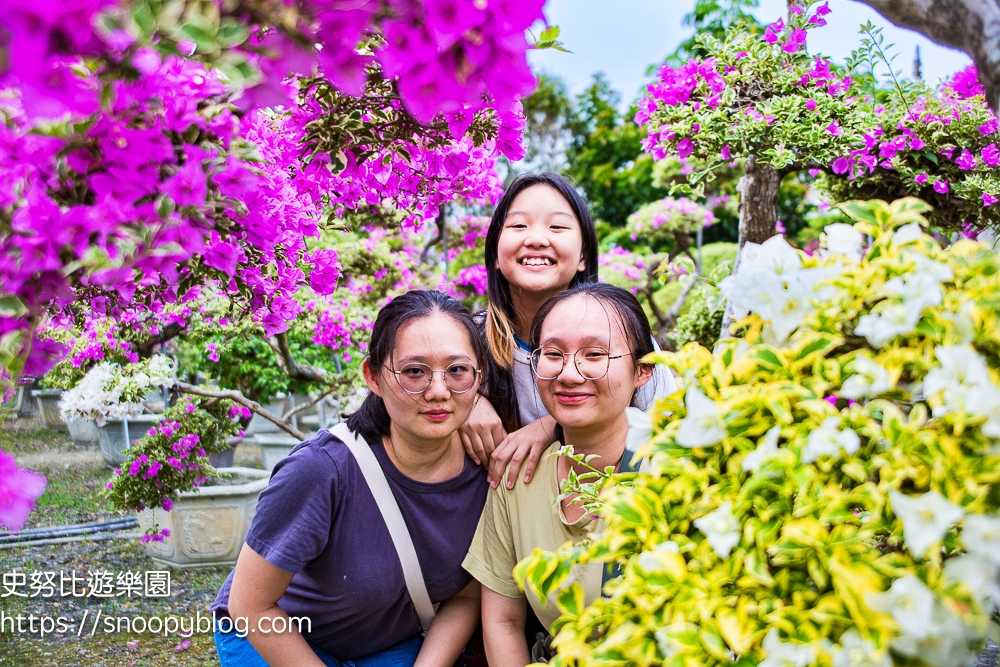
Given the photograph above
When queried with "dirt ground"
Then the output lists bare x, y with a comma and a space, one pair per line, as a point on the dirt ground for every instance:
76, 479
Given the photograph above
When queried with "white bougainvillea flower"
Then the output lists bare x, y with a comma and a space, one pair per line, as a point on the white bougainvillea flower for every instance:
771, 282
829, 439
869, 380
981, 535
721, 529
923, 264
918, 288
854, 651
965, 381
841, 239
893, 319
640, 429
774, 254
782, 654
767, 448
945, 645
963, 322
979, 574
910, 602
907, 234
703, 425
926, 519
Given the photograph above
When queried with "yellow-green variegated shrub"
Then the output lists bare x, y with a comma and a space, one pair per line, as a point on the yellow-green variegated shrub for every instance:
824, 488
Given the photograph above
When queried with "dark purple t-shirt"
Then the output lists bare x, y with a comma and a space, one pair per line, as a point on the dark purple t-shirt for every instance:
318, 520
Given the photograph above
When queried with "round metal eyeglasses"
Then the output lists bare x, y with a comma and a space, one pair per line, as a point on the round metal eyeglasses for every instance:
592, 363
416, 378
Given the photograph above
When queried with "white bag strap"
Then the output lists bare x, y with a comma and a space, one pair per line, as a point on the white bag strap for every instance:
393, 518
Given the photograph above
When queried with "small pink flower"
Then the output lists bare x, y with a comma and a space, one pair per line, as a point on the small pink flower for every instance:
965, 161
810, 104
182, 646
941, 186
834, 129
920, 179
988, 199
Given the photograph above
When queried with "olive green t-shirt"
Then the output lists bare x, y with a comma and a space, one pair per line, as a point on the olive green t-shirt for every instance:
517, 520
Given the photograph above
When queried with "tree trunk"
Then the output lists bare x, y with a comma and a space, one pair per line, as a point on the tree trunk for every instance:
972, 26
758, 214
758, 202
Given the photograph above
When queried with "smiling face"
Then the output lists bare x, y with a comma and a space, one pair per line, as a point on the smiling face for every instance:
579, 405
540, 248
440, 342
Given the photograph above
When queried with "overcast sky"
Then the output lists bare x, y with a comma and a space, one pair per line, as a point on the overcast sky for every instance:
623, 37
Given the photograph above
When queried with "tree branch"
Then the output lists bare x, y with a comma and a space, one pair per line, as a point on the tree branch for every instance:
305, 406
172, 330
292, 368
972, 26
238, 397
647, 289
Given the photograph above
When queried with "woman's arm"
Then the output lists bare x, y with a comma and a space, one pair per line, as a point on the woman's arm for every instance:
482, 432
503, 630
451, 629
257, 587
526, 443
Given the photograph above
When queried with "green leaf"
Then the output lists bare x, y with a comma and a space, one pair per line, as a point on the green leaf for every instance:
11, 306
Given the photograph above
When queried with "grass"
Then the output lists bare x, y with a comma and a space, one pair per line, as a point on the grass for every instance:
76, 480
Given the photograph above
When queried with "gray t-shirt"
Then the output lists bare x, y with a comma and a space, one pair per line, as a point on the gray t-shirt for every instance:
318, 519
530, 404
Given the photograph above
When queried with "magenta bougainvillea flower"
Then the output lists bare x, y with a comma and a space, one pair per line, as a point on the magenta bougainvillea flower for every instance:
19, 489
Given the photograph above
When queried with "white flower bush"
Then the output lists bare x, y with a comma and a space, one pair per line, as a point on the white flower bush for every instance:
109, 391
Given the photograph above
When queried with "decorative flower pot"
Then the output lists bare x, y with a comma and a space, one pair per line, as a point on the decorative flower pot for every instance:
223, 459
117, 435
83, 433
260, 425
48, 401
207, 526
274, 447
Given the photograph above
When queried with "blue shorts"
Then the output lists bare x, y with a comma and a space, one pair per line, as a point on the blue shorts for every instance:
235, 651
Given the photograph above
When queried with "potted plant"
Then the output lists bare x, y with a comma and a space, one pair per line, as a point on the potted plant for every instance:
96, 342
823, 489
111, 396
165, 479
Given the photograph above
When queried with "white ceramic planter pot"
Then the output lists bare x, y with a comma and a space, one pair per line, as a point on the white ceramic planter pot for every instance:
274, 447
207, 526
48, 402
117, 435
83, 433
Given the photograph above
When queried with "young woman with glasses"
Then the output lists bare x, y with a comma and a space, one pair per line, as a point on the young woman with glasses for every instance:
587, 342
318, 547
540, 242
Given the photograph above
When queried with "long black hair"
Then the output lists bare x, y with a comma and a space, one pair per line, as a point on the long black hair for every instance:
500, 314
371, 421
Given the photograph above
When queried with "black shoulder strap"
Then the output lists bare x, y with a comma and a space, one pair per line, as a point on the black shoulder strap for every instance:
629, 463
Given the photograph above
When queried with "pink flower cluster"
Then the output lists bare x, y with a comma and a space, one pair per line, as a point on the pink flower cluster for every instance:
334, 330
450, 56
475, 277
881, 146
19, 489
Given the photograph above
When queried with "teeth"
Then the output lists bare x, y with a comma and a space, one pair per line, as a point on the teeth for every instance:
536, 261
